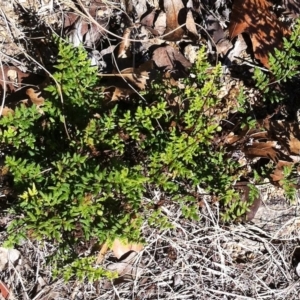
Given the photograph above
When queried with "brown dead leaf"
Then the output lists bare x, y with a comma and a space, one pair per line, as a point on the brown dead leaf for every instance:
247, 133
120, 248
191, 26
138, 77
255, 18
170, 58
286, 133
6, 111
148, 20
35, 97
176, 16
115, 93
277, 174
124, 48
12, 78
128, 79
214, 29
218, 35
263, 149
294, 145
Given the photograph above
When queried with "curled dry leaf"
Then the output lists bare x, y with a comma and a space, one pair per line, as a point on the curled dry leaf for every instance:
127, 78
126, 267
176, 16
120, 248
117, 93
255, 18
138, 76
35, 97
124, 47
245, 134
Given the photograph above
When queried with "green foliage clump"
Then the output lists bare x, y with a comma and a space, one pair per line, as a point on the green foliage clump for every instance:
278, 86
81, 167
284, 67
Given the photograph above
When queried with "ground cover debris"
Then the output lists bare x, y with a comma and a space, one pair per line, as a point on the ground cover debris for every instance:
149, 149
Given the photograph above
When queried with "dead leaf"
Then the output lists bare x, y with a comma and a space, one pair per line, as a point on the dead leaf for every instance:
138, 77
80, 30
120, 248
148, 20
217, 35
214, 29
277, 174
35, 97
266, 150
8, 256
191, 26
114, 93
239, 47
169, 58
255, 18
126, 267
175, 14
292, 8
6, 111
12, 78
161, 23
124, 48
286, 133
139, 8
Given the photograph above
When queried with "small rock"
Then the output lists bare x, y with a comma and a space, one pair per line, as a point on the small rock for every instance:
8, 255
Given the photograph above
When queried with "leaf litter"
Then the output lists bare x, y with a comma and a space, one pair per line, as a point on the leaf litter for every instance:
151, 37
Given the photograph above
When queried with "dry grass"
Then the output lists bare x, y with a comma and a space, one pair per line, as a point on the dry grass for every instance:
194, 260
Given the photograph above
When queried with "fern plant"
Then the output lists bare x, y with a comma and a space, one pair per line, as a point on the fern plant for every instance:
284, 66
81, 168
